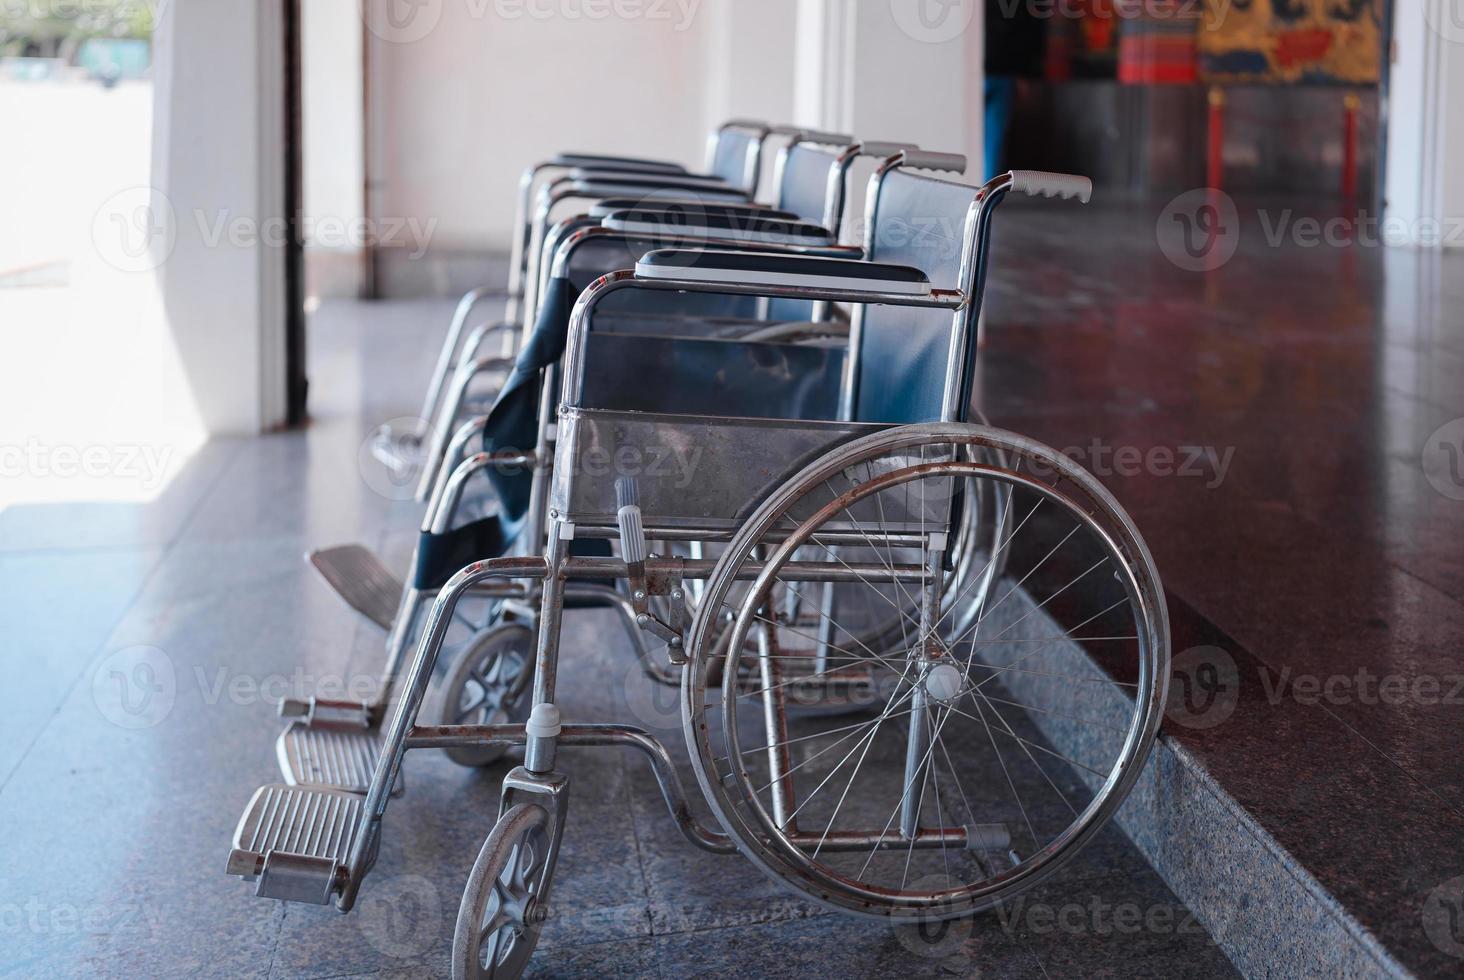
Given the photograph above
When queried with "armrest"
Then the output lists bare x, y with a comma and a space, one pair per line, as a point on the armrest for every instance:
603, 161
670, 239
599, 176
647, 186
602, 209
696, 223
767, 269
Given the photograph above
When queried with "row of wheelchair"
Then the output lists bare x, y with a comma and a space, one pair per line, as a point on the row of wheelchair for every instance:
919, 660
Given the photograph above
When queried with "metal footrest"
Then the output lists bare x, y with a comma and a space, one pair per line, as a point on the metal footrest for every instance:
295, 841
360, 578
329, 758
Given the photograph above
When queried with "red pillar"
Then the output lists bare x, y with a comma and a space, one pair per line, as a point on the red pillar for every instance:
1350, 106
1215, 162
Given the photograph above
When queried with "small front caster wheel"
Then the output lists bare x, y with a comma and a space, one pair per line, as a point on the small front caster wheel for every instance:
499, 921
487, 685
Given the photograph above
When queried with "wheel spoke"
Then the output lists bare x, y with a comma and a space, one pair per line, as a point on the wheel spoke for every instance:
874, 732
859, 526
901, 800
872, 721
1006, 729
1039, 652
1003, 545
946, 634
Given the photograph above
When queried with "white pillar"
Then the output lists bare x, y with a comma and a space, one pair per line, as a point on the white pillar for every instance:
906, 70
219, 181
750, 51
1424, 187
333, 136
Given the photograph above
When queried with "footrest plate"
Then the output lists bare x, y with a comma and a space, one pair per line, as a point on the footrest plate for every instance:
329, 758
294, 839
360, 578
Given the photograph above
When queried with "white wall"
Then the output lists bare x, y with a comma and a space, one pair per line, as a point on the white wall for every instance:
331, 42
466, 101
902, 70
467, 92
751, 53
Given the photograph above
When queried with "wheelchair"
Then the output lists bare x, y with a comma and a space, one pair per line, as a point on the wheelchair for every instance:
812, 173
734, 158
810, 182
822, 530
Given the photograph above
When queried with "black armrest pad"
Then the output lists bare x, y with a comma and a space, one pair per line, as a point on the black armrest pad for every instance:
686, 205
600, 176
700, 223
609, 162
651, 186
753, 268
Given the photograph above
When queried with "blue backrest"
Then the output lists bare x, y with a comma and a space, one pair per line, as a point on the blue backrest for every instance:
917, 221
804, 189
733, 158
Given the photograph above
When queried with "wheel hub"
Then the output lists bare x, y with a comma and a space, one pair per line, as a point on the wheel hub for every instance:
944, 682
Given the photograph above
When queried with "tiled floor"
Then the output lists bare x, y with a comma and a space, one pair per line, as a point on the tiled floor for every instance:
148, 643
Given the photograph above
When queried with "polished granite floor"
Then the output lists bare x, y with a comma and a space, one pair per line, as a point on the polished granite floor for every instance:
1316, 543
1313, 377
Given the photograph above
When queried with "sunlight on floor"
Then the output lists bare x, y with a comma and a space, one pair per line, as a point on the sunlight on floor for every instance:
96, 406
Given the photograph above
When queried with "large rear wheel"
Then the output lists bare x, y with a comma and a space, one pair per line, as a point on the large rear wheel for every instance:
1012, 716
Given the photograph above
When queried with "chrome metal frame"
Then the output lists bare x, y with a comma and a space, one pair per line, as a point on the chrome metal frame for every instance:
548, 575
542, 578
560, 239
514, 293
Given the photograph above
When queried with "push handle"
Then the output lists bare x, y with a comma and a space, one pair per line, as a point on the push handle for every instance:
807, 135
913, 156
885, 148
929, 160
1036, 182
828, 139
